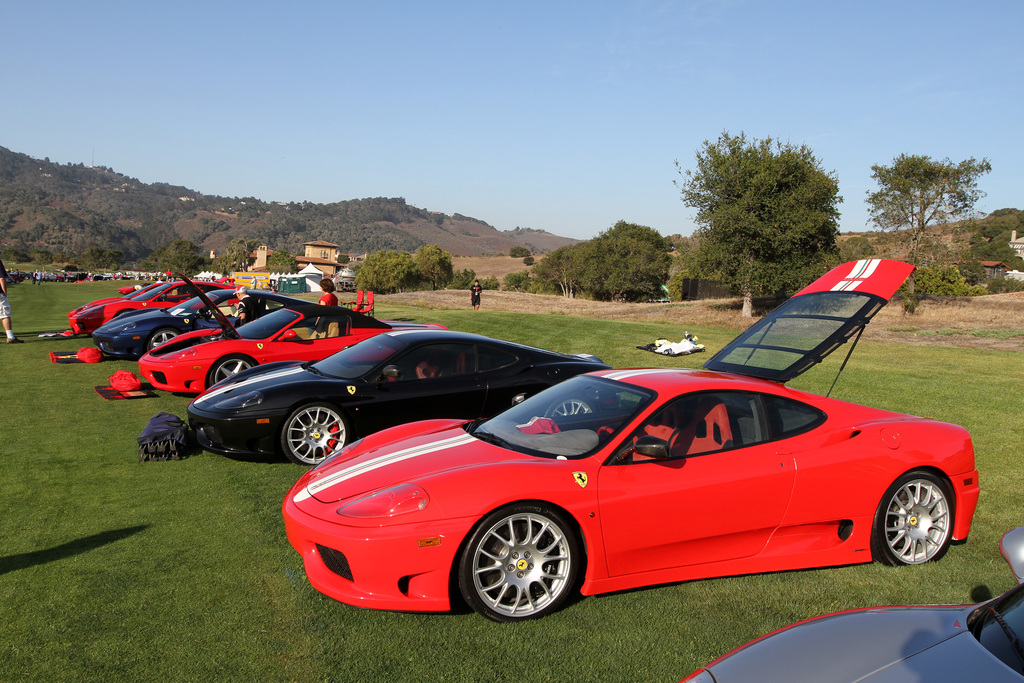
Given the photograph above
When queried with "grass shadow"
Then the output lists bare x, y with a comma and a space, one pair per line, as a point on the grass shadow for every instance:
12, 563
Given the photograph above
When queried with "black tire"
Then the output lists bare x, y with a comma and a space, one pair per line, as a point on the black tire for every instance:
160, 336
914, 520
228, 366
312, 432
520, 562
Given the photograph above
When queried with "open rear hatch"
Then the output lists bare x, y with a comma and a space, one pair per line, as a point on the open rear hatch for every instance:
814, 322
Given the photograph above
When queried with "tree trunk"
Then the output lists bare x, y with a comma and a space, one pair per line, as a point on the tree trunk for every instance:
748, 305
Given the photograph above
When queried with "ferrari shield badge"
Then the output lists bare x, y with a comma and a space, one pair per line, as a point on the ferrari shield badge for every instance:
259, 346
351, 390
580, 478
186, 321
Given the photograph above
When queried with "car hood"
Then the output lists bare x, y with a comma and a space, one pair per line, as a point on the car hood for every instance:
429, 453
876, 645
257, 378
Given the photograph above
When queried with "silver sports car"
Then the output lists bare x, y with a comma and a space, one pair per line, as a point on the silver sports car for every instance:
931, 643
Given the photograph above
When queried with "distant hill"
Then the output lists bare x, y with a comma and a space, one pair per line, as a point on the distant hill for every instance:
69, 208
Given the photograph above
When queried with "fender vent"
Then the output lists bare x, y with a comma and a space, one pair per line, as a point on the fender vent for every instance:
845, 529
335, 561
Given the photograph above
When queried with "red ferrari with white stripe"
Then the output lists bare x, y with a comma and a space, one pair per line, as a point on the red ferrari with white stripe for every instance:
625, 478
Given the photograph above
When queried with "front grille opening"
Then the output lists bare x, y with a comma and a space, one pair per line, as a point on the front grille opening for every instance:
335, 561
160, 377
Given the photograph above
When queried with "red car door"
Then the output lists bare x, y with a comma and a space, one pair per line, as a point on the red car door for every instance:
710, 501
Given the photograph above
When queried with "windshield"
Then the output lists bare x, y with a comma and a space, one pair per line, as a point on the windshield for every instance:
268, 325
570, 419
361, 358
195, 304
149, 294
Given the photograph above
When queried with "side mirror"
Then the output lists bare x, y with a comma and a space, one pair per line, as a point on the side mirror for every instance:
1011, 547
288, 336
391, 372
518, 398
652, 447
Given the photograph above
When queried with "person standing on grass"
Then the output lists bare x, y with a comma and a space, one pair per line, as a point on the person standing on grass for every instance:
5, 307
329, 298
474, 294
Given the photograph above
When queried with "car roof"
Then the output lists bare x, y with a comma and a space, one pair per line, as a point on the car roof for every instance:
814, 322
427, 335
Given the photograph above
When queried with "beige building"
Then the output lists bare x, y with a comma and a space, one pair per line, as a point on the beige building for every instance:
323, 255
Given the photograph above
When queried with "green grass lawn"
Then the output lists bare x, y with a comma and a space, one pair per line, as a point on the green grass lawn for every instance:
116, 570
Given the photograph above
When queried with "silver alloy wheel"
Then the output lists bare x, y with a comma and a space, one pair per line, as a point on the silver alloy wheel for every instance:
572, 406
229, 368
162, 335
917, 521
312, 433
522, 564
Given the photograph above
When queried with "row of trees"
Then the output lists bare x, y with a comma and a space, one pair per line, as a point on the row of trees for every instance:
767, 212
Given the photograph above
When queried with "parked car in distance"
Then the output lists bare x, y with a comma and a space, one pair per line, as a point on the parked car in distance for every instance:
132, 334
194, 361
86, 319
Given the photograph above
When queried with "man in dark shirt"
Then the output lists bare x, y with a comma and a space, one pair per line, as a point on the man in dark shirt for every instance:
246, 311
5, 307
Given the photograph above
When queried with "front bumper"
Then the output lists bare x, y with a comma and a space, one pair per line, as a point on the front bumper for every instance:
252, 435
121, 345
406, 567
184, 376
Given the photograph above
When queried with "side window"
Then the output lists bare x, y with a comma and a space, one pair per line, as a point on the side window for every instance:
789, 418
273, 305
436, 360
708, 422
330, 327
494, 359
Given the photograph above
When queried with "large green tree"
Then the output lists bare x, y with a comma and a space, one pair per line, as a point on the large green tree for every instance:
435, 266
181, 256
387, 271
917, 192
767, 214
626, 262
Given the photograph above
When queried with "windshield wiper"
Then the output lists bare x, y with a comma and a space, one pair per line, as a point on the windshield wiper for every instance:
1010, 634
494, 439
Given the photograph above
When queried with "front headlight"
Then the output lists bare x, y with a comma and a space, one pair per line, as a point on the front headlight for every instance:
253, 398
397, 500
129, 326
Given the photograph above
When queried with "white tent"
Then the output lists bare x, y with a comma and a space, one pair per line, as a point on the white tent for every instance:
313, 277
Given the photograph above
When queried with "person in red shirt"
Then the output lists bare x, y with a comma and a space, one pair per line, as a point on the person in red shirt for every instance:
329, 298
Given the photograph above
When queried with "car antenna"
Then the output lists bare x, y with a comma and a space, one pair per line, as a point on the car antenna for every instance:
845, 360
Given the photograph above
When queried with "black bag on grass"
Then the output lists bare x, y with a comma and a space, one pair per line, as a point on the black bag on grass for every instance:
163, 438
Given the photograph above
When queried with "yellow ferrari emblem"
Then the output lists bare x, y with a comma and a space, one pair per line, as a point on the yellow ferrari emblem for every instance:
351, 390
186, 321
259, 346
581, 479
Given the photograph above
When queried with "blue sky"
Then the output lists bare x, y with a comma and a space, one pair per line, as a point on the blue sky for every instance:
564, 116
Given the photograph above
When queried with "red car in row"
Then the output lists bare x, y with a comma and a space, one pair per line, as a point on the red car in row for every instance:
85, 319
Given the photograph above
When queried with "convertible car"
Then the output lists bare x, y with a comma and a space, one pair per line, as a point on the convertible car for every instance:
132, 334
624, 478
85, 319
310, 410
193, 361
935, 643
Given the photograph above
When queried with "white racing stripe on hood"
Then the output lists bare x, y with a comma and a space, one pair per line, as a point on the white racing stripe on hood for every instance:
382, 461
258, 378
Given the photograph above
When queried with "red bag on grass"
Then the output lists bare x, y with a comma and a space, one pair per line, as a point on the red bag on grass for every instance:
123, 380
89, 354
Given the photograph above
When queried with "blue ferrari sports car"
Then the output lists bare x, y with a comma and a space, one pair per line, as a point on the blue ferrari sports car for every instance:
132, 334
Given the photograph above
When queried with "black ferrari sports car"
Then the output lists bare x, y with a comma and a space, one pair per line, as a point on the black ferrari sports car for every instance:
310, 410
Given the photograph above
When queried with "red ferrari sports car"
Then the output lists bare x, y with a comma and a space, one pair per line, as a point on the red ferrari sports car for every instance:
195, 361
623, 478
85, 319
